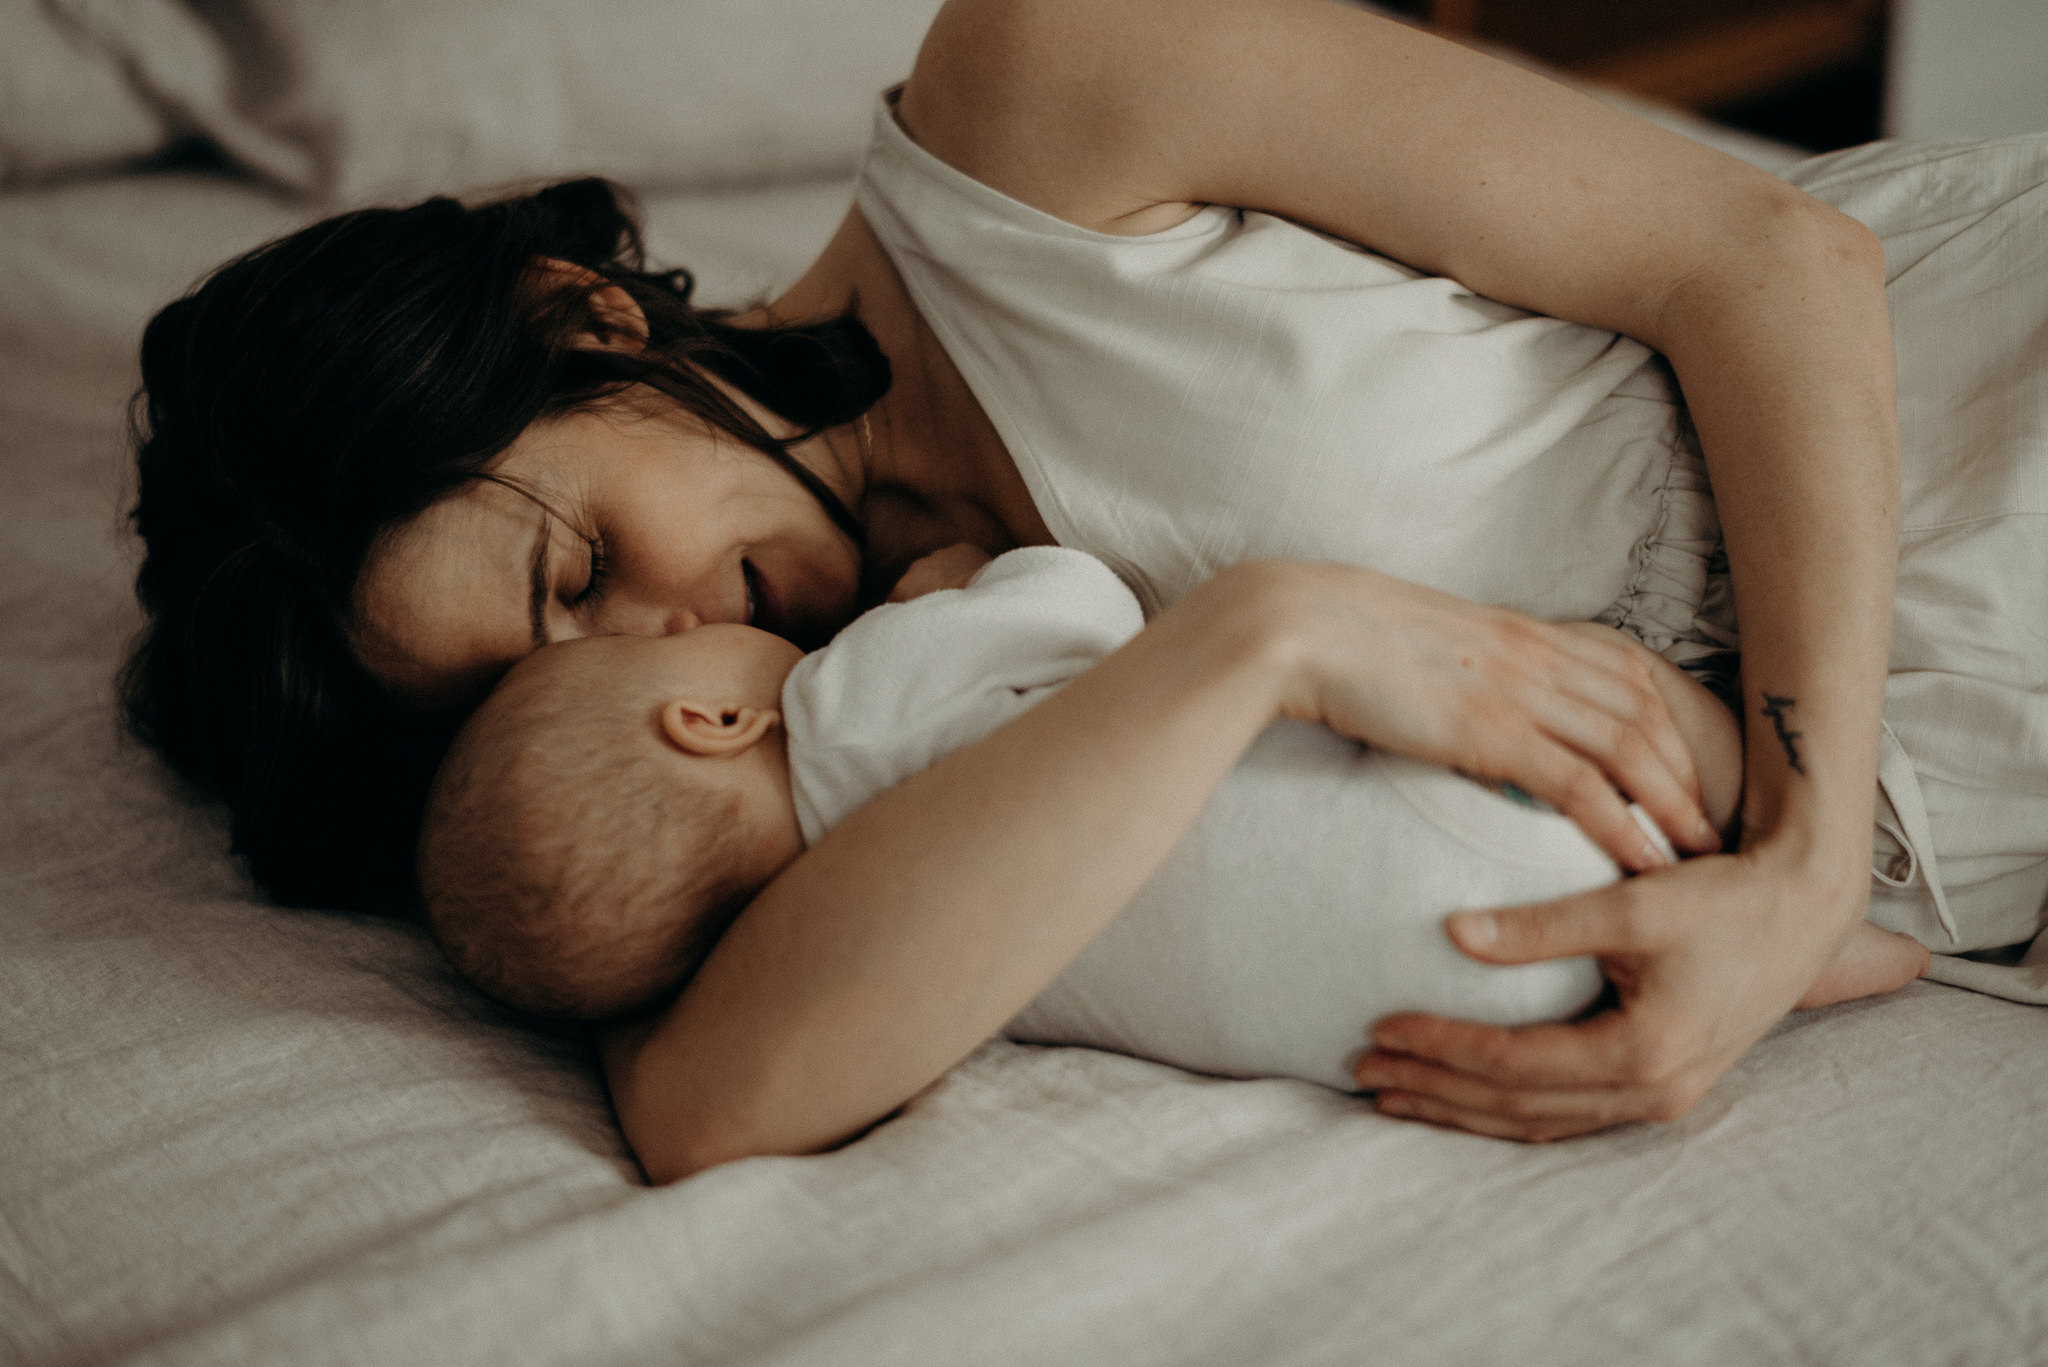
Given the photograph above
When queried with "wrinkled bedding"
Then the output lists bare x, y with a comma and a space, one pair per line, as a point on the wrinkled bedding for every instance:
238, 1134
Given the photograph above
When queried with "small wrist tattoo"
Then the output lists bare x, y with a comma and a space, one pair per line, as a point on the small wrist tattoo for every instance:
1775, 708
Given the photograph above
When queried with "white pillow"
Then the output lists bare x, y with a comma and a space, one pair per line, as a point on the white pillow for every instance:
64, 103
396, 98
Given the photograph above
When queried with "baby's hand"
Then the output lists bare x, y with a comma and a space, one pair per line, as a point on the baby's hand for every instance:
950, 567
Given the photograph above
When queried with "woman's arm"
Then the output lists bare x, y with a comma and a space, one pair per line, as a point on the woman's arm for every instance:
1770, 307
1796, 419
927, 919
923, 922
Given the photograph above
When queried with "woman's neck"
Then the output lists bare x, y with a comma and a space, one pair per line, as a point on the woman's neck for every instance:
928, 468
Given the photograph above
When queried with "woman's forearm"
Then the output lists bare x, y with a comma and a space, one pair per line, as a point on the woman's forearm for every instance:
1784, 354
1786, 363
915, 929
926, 920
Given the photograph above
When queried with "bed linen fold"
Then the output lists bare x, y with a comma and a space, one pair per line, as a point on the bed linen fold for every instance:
234, 1134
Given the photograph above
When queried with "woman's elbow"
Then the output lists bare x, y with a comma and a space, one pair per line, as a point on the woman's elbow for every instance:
1791, 231
1844, 243
670, 1139
672, 1162
673, 1141
1779, 243
674, 1146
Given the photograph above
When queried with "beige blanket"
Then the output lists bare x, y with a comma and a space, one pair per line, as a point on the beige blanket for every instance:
234, 1134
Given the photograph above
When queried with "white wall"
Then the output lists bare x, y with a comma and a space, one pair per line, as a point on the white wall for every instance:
1967, 67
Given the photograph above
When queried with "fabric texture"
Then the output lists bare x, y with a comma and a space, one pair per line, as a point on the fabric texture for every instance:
907, 683
1306, 901
1241, 386
234, 1134
1965, 228
383, 99
65, 106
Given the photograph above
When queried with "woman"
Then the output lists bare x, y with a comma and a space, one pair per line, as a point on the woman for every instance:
323, 616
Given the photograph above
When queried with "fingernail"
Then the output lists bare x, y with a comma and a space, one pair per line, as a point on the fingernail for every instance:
1475, 930
1394, 1106
1656, 847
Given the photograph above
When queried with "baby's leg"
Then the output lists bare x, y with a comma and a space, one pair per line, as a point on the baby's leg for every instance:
1872, 960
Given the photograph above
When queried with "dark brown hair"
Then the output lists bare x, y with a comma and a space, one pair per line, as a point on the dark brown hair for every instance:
320, 389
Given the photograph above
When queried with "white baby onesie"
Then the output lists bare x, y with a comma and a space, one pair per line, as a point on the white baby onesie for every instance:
1306, 902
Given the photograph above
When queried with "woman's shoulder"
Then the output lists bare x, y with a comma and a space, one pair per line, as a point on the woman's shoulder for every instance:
1025, 97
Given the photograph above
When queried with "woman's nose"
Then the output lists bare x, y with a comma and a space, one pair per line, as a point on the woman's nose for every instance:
647, 619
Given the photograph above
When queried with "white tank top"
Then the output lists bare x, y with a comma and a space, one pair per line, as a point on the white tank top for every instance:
1241, 386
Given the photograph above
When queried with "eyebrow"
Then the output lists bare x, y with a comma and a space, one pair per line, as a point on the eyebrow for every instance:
537, 583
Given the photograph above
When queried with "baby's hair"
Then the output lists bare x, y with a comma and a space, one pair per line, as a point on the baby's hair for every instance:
568, 870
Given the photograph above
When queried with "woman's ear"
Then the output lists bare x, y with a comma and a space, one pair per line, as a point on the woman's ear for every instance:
621, 322
714, 732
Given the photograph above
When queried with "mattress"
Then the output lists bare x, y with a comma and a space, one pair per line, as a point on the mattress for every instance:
236, 1134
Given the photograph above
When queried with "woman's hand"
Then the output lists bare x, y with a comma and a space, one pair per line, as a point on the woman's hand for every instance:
1567, 716
1704, 958
896, 945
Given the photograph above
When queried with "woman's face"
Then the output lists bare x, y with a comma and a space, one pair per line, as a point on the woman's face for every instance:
640, 521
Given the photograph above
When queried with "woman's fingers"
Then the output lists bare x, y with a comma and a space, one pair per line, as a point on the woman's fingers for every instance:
1400, 1076
1632, 691
1423, 1090
1570, 782
1681, 950
1416, 1090
1525, 1128
1570, 714
1621, 919
1631, 760
1702, 958
1539, 1082
1634, 695
1595, 1053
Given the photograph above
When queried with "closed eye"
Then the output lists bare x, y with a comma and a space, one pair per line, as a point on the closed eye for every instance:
593, 588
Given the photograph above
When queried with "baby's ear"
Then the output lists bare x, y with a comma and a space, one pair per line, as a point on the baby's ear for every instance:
713, 732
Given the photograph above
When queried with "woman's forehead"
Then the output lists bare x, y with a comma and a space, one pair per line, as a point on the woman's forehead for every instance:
441, 604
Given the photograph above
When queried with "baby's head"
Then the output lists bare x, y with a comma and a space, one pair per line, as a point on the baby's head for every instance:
606, 813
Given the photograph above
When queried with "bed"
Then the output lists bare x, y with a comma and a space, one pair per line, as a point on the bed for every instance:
234, 1133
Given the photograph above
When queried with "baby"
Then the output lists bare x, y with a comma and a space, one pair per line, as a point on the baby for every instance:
616, 802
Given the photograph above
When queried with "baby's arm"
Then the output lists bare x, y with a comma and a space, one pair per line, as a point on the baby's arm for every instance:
1872, 960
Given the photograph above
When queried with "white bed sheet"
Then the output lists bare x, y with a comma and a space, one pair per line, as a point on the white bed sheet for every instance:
234, 1134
